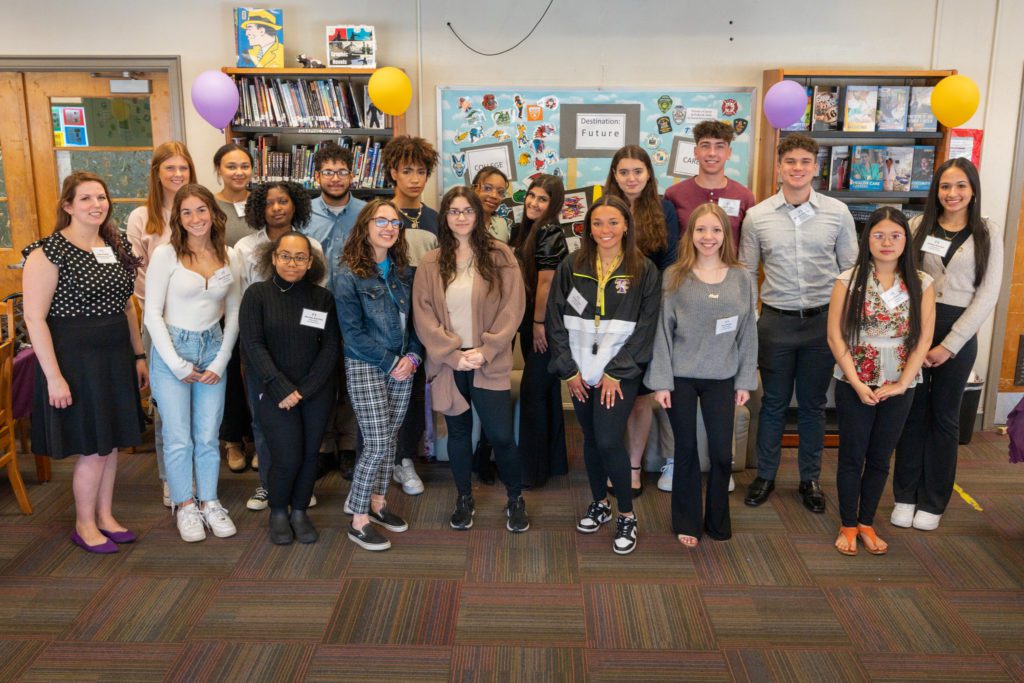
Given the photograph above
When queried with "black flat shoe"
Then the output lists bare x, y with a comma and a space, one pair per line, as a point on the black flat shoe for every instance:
813, 496
759, 491
347, 464
280, 528
637, 492
304, 530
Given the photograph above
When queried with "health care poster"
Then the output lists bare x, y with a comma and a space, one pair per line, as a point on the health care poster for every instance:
573, 133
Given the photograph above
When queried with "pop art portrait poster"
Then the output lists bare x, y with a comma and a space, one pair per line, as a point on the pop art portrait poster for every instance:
259, 37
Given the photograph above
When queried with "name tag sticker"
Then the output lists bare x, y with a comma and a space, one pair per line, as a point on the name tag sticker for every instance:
311, 318
724, 325
577, 301
730, 206
894, 296
936, 245
240, 209
222, 276
801, 214
572, 244
104, 254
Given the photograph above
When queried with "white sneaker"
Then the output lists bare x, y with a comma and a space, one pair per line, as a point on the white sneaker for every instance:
216, 517
665, 480
405, 474
312, 500
255, 462
926, 521
346, 508
902, 515
260, 499
190, 524
732, 484
167, 495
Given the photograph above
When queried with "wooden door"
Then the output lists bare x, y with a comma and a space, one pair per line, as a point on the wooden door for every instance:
18, 218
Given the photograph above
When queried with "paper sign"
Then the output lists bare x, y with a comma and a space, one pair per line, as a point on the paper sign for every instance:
499, 155
311, 318
577, 301
684, 161
600, 131
698, 114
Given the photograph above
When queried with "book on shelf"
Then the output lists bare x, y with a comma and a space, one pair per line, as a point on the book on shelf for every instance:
805, 121
896, 169
826, 108
860, 108
866, 163
920, 118
259, 37
924, 166
300, 103
272, 163
839, 168
820, 181
862, 212
352, 47
372, 117
892, 107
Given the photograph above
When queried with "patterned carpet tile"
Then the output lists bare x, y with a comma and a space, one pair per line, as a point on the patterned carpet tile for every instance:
751, 560
995, 617
422, 554
250, 662
472, 664
1013, 662
52, 502
394, 612
799, 520
530, 557
538, 616
827, 566
902, 619
772, 617
900, 668
161, 552
646, 617
658, 558
16, 538
964, 562
324, 560
53, 554
42, 607
654, 666
373, 664
144, 610
778, 664
17, 655
102, 662
1005, 512
269, 610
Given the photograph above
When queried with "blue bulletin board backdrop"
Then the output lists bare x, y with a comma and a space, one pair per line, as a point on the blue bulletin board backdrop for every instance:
474, 118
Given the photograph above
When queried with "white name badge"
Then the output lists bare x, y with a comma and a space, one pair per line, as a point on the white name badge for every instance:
572, 244
730, 206
894, 296
104, 254
577, 301
801, 214
936, 245
240, 209
724, 325
222, 276
311, 318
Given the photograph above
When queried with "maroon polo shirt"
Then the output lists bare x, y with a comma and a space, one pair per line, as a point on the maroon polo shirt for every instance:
734, 198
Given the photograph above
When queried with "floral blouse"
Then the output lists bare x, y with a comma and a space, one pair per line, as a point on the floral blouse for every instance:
881, 350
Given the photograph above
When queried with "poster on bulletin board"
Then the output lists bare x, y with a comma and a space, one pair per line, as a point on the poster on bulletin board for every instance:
574, 132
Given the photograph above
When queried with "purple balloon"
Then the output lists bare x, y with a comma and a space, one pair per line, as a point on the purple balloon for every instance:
785, 103
215, 97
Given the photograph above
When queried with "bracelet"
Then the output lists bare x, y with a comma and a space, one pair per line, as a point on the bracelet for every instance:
140, 356
412, 359
538, 322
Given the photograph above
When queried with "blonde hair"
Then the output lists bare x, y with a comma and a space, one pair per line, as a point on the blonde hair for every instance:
686, 256
155, 193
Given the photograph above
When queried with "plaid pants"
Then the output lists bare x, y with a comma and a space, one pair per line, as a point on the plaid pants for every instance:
380, 402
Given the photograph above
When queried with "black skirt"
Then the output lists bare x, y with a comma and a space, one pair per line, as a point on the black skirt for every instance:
95, 357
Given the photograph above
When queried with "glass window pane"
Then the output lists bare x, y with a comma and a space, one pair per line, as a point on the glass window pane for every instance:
5, 227
121, 211
125, 173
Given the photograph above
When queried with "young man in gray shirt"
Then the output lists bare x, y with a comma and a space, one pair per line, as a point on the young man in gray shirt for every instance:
805, 240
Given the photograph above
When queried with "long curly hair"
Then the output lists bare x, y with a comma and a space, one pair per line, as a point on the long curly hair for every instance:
155, 191
686, 257
179, 235
108, 229
632, 257
527, 235
479, 239
256, 204
265, 259
648, 216
357, 253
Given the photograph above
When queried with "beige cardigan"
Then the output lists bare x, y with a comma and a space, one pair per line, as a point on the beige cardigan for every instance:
497, 312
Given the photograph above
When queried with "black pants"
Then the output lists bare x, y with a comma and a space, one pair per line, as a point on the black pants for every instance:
867, 436
410, 434
495, 411
293, 439
925, 468
717, 404
541, 422
237, 422
604, 443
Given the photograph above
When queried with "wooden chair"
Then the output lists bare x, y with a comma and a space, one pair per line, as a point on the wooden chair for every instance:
13, 327
8, 451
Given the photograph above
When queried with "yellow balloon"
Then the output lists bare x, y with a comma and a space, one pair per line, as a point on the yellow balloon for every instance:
390, 90
954, 100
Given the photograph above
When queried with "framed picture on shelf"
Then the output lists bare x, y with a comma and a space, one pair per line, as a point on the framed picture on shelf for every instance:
352, 47
259, 37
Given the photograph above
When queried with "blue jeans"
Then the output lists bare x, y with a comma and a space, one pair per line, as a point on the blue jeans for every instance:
191, 416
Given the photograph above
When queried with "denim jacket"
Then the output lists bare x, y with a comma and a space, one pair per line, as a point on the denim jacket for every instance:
375, 325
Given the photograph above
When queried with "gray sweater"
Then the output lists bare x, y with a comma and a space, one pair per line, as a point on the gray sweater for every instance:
686, 343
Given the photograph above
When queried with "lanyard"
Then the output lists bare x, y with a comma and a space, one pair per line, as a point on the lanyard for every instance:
602, 280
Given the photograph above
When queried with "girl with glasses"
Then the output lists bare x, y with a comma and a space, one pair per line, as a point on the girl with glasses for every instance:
491, 186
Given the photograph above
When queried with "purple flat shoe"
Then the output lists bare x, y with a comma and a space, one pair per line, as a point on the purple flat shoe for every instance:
103, 548
120, 536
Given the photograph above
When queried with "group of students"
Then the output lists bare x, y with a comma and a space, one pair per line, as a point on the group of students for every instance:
316, 326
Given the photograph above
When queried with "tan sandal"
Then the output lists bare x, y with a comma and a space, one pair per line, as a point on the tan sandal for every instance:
687, 540
847, 534
872, 543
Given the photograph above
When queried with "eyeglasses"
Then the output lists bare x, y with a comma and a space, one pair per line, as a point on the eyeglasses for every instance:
468, 212
331, 173
384, 222
297, 259
491, 189
880, 236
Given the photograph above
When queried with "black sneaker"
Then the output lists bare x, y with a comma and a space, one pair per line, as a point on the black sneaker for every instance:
347, 464
597, 514
625, 535
388, 519
368, 538
516, 513
462, 518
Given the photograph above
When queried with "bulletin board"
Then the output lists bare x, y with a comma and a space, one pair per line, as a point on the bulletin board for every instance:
573, 132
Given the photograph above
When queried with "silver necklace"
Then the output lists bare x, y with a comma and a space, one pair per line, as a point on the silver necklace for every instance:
282, 289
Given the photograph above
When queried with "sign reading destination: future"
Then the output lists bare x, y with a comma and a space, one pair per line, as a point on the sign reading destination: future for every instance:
600, 131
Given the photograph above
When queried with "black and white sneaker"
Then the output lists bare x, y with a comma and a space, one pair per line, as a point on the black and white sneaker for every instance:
465, 508
516, 513
387, 519
368, 538
597, 514
625, 535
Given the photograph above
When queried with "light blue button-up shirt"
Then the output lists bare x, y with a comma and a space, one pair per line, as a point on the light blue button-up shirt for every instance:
331, 229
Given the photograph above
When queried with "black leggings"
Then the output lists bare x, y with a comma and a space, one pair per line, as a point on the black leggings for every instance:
495, 411
236, 424
293, 438
541, 422
604, 443
410, 434
717, 406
